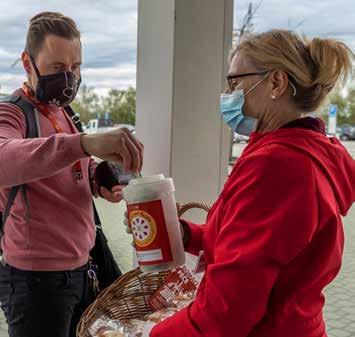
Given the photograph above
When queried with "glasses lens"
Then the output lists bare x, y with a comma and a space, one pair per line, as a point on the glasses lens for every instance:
233, 83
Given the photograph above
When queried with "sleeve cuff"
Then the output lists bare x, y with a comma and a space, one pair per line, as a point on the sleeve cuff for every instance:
93, 184
195, 232
72, 145
177, 325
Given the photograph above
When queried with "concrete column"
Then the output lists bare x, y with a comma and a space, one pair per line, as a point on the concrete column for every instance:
183, 48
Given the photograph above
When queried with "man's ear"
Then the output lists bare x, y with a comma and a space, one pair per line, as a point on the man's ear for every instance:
26, 62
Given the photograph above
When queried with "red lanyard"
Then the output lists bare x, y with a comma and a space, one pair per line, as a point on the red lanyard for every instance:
43, 108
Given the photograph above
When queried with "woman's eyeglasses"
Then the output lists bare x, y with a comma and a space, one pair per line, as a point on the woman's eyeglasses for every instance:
232, 80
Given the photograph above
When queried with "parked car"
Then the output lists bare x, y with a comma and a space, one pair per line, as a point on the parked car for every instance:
99, 125
347, 132
130, 127
84, 126
237, 138
336, 134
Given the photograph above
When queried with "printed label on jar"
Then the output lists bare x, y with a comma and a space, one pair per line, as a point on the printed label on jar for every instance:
150, 234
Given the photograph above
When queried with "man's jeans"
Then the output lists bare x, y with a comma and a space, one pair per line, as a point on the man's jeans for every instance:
43, 304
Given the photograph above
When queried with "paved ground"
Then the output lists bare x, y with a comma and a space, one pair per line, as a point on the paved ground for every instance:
340, 295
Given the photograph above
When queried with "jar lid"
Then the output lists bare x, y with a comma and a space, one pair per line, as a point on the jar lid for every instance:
147, 180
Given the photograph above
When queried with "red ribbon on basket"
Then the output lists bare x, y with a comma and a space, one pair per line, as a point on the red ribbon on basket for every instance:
180, 281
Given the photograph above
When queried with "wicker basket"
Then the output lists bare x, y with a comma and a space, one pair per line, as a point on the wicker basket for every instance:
127, 297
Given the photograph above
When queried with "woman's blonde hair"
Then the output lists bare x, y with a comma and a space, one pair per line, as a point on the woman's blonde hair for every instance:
314, 66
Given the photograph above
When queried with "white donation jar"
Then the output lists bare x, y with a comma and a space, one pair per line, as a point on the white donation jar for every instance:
154, 222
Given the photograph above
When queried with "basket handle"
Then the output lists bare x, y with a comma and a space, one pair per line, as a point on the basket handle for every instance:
186, 207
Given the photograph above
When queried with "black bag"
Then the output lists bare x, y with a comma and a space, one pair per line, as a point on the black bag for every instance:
108, 270
101, 255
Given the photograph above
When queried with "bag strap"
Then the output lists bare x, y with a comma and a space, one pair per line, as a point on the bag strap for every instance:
74, 117
76, 120
97, 218
31, 132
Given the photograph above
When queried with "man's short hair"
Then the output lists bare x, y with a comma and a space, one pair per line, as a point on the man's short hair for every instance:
47, 23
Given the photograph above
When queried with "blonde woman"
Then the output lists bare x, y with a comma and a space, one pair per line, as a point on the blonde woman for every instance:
274, 238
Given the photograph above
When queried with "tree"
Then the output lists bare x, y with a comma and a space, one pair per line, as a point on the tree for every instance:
346, 107
121, 105
87, 103
351, 107
128, 107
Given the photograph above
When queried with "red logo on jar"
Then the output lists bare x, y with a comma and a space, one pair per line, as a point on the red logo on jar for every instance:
144, 228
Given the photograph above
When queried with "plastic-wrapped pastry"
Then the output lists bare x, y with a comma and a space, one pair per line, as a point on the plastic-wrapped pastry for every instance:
111, 334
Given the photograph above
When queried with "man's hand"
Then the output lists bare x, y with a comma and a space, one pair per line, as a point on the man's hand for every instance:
118, 145
114, 196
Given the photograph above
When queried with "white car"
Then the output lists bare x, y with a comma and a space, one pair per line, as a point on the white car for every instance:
237, 138
131, 128
99, 125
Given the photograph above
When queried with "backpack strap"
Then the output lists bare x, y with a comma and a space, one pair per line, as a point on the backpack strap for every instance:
30, 112
32, 131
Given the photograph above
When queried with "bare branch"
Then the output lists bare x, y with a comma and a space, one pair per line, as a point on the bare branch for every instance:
247, 21
14, 64
257, 7
296, 26
299, 24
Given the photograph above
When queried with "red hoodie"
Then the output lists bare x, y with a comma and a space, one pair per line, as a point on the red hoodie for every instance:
273, 240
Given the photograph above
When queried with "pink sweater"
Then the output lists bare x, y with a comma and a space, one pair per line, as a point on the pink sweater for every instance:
60, 230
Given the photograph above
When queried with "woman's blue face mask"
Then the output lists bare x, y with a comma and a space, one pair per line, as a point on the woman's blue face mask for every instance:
231, 106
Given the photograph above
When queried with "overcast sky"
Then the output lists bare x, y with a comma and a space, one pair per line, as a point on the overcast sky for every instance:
109, 32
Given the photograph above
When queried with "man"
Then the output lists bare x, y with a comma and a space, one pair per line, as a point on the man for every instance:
49, 234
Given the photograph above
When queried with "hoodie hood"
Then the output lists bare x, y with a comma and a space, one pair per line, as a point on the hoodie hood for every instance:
327, 153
